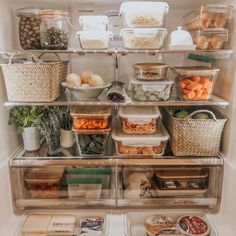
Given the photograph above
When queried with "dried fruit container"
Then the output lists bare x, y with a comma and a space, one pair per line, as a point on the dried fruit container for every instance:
139, 120
210, 39
91, 117
143, 38
151, 90
208, 16
196, 83
143, 14
43, 183
140, 145
150, 71
93, 23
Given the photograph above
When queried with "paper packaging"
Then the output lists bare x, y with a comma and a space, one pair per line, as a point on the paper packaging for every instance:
91, 226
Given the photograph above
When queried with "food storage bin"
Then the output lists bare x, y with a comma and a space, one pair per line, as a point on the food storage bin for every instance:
29, 28
210, 39
43, 183
150, 71
54, 29
196, 83
143, 14
84, 188
181, 180
92, 142
140, 145
91, 117
139, 120
94, 39
93, 23
151, 90
208, 16
142, 38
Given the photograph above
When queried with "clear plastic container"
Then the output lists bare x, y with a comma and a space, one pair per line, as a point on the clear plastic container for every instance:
210, 39
43, 183
140, 145
29, 28
91, 117
54, 29
92, 142
208, 16
143, 14
196, 83
151, 90
143, 38
93, 23
139, 120
94, 39
150, 71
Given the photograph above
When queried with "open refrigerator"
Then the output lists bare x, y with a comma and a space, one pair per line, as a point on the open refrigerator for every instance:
123, 215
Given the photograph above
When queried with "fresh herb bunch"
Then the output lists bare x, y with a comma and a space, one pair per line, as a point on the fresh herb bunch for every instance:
24, 117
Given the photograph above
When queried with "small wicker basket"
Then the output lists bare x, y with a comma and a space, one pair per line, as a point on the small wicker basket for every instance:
194, 137
34, 82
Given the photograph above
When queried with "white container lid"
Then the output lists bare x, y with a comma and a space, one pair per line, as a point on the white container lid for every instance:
94, 34
138, 112
93, 19
159, 136
141, 31
180, 37
144, 6
159, 82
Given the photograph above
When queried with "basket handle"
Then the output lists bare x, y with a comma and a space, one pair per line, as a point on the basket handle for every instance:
56, 54
200, 111
23, 53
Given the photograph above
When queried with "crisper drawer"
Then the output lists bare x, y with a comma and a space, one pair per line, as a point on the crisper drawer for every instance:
170, 187
63, 187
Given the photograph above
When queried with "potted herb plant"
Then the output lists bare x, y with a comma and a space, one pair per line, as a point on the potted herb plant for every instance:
25, 119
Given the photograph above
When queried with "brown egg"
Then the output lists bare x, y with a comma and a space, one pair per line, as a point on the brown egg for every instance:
216, 41
201, 42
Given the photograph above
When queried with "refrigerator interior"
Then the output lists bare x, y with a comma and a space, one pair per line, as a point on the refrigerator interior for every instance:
225, 88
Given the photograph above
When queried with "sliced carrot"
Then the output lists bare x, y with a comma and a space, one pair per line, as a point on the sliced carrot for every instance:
191, 95
186, 81
186, 91
183, 85
196, 78
194, 86
198, 93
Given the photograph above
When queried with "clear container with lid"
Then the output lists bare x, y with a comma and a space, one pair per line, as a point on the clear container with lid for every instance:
91, 117
195, 83
210, 39
43, 183
141, 145
208, 16
139, 120
29, 28
151, 90
150, 71
143, 38
93, 23
143, 14
54, 29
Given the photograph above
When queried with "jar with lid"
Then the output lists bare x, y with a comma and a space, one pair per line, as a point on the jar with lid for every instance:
54, 29
29, 28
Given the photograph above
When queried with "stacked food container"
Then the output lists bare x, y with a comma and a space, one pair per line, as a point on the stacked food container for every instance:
208, 26
94, 34
140, 132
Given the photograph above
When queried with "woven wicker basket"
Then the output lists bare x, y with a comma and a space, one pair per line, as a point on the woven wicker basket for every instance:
34, 82
194, 137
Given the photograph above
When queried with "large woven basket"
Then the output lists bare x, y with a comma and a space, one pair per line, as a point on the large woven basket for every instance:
34, 82
194, 137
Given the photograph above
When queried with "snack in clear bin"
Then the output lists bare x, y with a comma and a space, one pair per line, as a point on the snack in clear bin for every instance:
91, 226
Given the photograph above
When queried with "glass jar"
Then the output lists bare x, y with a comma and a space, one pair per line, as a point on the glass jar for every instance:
29, 28
54, 29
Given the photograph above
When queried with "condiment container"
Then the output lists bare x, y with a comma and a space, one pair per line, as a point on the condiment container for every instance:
151, 90
91, 117
84, 188
139, 120
143, 38
195, 83
54, 29
208, 16
29, 28
93, 23
43, 183
140, 145
94, 39
210, 39
150, 71
143, 14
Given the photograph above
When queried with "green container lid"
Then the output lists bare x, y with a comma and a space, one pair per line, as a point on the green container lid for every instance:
85, 181
88, 171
